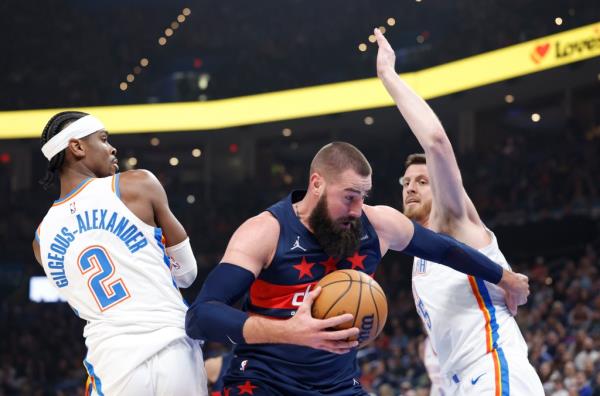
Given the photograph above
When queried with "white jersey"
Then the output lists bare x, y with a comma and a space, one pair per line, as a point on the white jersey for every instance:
432, 364
113, 270
466, 318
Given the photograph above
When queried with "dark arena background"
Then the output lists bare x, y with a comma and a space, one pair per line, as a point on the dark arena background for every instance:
233, 99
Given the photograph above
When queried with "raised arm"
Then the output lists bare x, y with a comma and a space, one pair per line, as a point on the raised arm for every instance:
212, 316
397, 232
448, 192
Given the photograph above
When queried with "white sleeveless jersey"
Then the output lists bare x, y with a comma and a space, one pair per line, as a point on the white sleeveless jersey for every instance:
113, 270
466, 318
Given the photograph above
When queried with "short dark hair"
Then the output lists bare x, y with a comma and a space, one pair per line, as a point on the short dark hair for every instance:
56, 124
415, 159
336, 157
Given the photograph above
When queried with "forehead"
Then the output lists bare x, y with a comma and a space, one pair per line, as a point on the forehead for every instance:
416, 170
349, 179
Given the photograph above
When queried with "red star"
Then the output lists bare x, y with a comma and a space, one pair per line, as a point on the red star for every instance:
304, 268
357, 261
330, 264
246, 388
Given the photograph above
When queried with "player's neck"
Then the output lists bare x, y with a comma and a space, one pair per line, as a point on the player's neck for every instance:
71, 178
302, 210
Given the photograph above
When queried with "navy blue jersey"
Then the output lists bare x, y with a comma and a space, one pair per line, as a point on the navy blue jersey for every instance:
299, 263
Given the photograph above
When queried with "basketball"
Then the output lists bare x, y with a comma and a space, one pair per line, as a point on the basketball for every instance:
354, 292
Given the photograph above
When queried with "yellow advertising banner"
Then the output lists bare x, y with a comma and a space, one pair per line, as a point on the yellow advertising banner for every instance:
476, 71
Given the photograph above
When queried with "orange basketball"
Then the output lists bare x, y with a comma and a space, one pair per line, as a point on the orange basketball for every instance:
354, 292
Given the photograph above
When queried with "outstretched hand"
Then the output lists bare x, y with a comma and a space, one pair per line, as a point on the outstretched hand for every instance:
314, 333
386, 57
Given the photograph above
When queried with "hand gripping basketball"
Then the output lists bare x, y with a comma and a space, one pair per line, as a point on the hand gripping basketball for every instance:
352, 292
308, 331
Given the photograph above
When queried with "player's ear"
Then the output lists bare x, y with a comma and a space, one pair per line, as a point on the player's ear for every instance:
76, 148
317, 183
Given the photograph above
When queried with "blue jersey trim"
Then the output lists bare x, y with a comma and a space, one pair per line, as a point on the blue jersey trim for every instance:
158, 238
117, 188
487, 300
97, 382
72, 191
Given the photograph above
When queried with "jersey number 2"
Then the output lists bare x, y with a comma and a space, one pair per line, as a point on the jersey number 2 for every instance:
107, 292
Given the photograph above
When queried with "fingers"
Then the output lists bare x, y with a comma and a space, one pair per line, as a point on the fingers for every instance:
335, 321
511, 304
338, 335
381, 40
309, 298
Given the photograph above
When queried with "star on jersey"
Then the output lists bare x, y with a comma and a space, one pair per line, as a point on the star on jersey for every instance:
357, 261
246, 388
304, 268
330, 265
296, 245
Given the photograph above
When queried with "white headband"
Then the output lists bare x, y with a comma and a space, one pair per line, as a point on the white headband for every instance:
81, 128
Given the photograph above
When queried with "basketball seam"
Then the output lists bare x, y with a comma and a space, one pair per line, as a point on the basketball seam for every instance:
358, 305
352, 280
341, 295
375, 305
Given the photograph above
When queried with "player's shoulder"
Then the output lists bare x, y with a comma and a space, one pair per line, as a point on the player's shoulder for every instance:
138, 176
263, 223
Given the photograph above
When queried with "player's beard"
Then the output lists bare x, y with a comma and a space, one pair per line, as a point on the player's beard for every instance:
336, 241
420, 213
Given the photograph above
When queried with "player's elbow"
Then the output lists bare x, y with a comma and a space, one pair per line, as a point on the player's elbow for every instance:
186, 279
437, 141
194, 320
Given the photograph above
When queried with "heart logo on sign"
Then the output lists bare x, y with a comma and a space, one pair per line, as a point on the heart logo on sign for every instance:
542, 49
539, 52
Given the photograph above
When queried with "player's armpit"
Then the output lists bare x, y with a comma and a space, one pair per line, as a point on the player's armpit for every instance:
394, 229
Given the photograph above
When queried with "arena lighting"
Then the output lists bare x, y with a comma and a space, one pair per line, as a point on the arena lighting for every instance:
518, 60
420, 39
168, 32
369, 120
372, 38
132, 161
174, 161
558, 21
174, 25
362, 47
535, 117
155, 141
382, 29
180, 18
287, 132
509, 98
391, 21
162, 41
123, 86
190, 199
196, 153
186, 11
144, 62
130, 78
